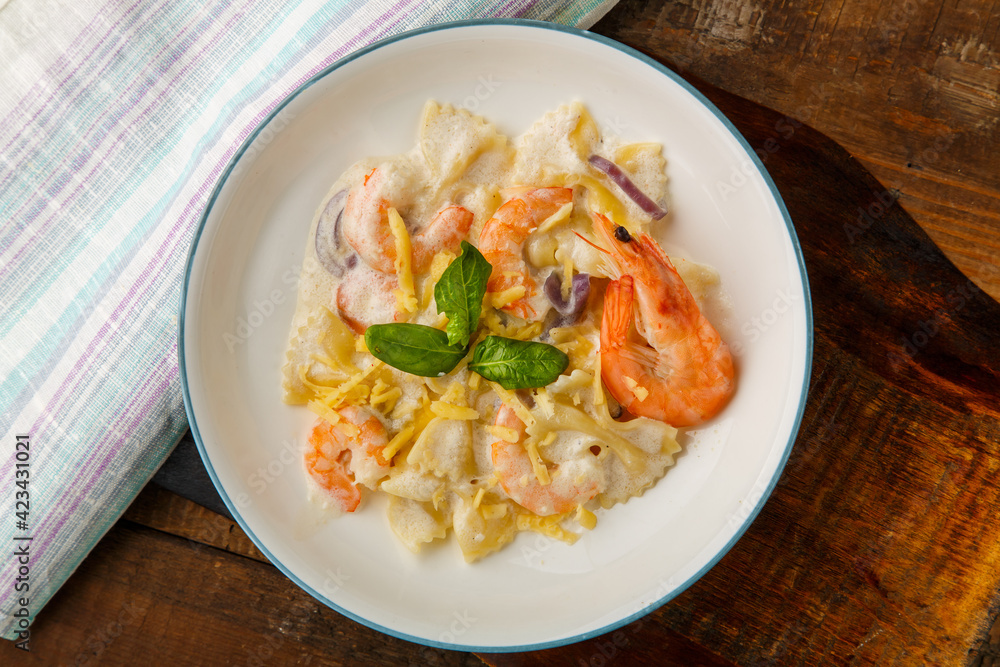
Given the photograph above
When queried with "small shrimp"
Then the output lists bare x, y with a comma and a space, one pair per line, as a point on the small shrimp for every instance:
343, 455
683, 374
502, 238
361, 298
570, 484
366, 224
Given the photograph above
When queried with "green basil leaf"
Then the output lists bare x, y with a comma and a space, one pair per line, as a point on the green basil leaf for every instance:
517, 364
459, 293
413, 348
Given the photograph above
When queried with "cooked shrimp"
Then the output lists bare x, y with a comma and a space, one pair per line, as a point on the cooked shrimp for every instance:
343, 455
366, 225
502, 239
361, 299
683, 373
570, 484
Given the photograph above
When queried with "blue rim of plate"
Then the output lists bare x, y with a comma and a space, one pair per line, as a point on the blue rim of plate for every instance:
642, 58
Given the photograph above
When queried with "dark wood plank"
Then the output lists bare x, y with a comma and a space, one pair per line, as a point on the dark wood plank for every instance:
912, 89
147, 597
879, 545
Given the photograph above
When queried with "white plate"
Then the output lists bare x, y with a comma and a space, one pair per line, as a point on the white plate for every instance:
240, 291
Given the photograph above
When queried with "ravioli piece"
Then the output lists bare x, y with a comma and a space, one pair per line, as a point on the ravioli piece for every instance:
411, 482
479, 536
321, 350
444, 449
655, 445
416, 523
451, 140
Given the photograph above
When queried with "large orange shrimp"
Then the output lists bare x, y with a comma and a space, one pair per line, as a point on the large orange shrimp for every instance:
570, 484
348, 453
502, 239
683, 373
366, 225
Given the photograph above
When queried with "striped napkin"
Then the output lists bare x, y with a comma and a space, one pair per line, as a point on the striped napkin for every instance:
116, 120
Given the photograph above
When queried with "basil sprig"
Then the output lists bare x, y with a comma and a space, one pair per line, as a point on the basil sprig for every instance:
518, 364
460, 291
429, 352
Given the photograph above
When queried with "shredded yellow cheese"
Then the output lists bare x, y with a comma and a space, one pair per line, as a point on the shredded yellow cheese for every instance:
339, 395
397, 442
537, 465
556, 219
494, 511
507, 296
514, 403
586, 518
478, 499
384, 394
406, 300
449, 411
640, 392
598, 387
568, 267
504, 433
544, 401
321, 410
546, 525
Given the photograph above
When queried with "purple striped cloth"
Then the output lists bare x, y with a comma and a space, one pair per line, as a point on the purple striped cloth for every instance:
117, 119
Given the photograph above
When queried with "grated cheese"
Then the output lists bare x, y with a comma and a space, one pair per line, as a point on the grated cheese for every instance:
537, 465
406, 300
494, 511
640, 392
514, 403
397, 442
449, 411
508, 296
504, 433
586, 518
544, 401
556, 219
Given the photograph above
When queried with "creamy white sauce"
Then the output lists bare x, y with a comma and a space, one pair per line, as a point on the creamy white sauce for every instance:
444, 478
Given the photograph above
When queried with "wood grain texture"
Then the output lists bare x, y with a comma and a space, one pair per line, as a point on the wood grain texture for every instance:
144, 596
910, 88
879, 545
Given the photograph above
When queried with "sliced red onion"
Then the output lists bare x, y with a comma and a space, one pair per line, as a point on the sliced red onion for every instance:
615, 173
328, 234
569, 309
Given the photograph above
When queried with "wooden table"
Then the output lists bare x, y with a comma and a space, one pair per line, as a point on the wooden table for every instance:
880, 544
